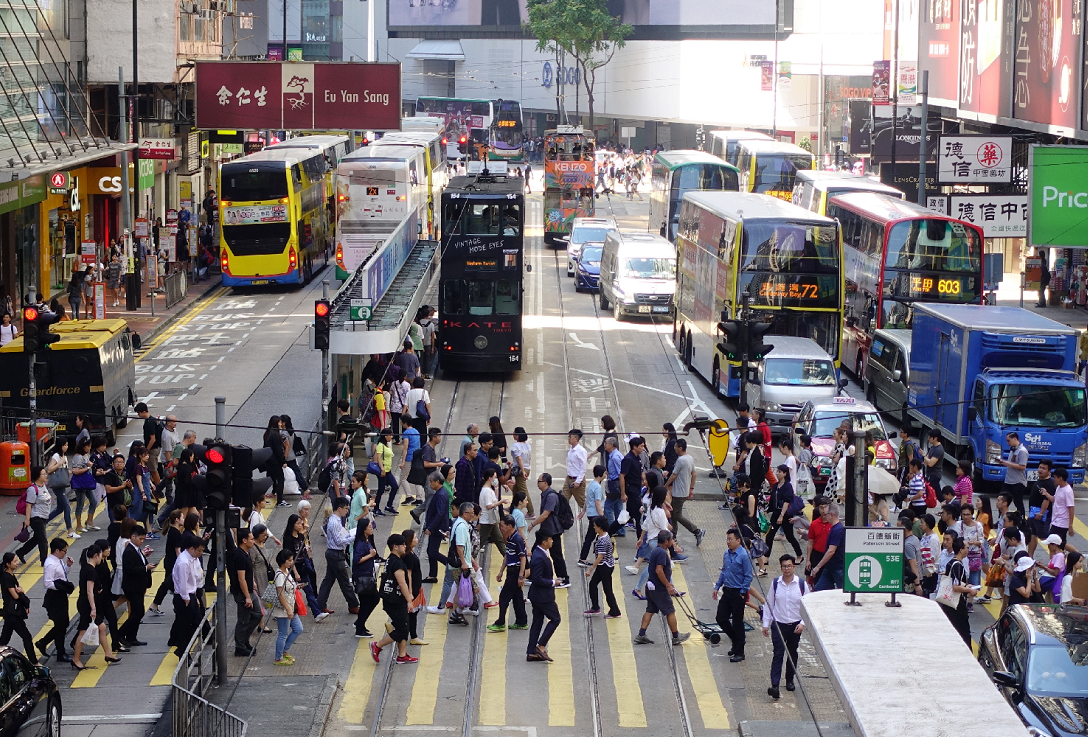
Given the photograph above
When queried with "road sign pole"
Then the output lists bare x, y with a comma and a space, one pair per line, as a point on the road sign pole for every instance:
746, 315
32, 391
324, 362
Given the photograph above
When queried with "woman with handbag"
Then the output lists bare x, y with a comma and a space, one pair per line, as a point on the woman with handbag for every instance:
16, 607
415, 585
284, 607
84, 484
39, 505
785, 505
294, 540
90, 592
382, 467
953, 591
59, 478
295, 449
142, 508
276, 465
974, 536
363, 558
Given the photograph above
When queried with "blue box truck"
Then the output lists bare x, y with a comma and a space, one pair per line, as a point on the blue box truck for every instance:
978, 373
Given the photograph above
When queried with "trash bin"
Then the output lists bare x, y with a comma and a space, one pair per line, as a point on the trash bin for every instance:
14, 468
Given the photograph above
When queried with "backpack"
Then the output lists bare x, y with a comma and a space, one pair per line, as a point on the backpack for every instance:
324, 479
563, 512
931, 496
20, 506
800, 582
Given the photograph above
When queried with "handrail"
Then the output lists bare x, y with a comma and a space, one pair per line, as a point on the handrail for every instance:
193, 714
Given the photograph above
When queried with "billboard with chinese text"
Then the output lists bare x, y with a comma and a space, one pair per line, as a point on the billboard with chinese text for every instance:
1046, 49
999, 216
939, 49
986, 57
975, 159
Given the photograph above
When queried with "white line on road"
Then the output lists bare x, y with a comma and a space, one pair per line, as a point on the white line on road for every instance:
695, 400
220, 360
194, 386
203, 376
578, 342
680, 417
171, 407
183, 396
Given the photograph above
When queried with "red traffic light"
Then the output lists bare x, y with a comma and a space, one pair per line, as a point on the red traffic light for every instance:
321, 309
463, 139
445, 141
214, 455
30, 313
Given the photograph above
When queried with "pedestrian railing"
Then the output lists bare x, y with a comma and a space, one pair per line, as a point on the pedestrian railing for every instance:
194, 715
175, 285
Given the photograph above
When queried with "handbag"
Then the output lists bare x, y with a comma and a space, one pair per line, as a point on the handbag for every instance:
762, 521
90, 637
464, 591
299, 447
60, 478
270, 595
300, 603
84, 480
996, 577
419, 602
421, 411
945, 594
23, 535
417, 474
374, 469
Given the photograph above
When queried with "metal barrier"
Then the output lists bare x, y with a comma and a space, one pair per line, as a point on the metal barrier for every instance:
175, 285
194, 715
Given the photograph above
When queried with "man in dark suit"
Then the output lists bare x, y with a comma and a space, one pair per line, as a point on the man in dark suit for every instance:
135, 581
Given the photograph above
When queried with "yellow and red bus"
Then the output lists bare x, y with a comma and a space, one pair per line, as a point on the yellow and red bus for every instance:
277, 215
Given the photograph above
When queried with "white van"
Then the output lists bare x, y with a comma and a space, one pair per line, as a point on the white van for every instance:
796, 371
638, 275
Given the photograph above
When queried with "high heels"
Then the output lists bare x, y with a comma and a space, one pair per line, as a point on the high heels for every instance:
83, 667
113, 660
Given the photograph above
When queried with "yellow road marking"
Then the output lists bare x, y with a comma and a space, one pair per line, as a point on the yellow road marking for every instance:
493, 666
700, 673
425, 688
624, 670
560, 672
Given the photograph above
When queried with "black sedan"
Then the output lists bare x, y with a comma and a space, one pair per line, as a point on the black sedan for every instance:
1037, 655
31, 701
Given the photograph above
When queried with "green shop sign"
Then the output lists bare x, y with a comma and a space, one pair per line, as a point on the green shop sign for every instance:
22, 192
1058, 196
146, 180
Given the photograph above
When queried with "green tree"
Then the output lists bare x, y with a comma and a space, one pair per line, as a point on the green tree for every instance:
581, 28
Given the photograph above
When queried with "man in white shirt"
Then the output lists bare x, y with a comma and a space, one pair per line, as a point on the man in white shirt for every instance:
782, 622
187, 576
1061, 501
57, 590
575, 483
337, 567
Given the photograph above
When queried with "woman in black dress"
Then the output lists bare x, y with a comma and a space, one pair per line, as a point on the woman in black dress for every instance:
415, 583
275, 468
16, 607
104, 602
88, 595
174, 546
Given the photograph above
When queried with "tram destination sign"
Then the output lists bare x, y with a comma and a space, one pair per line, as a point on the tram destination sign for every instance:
874, 560
298, 95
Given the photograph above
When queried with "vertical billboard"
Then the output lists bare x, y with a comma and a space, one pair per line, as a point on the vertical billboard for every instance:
1058, 211
882, 89
1048, 40
939, 49
986, 57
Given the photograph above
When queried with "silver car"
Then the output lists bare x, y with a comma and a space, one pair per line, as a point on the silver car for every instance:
582, 231
887, 372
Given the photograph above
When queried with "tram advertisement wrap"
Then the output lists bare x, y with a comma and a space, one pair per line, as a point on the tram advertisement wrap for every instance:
575, 174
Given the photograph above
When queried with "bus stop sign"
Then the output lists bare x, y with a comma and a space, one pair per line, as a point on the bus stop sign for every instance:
360, 310
874, 560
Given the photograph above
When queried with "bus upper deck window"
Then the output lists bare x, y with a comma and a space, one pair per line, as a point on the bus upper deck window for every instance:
484, 220
511, 220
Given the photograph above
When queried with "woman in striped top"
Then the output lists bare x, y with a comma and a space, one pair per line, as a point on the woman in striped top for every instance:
601, 571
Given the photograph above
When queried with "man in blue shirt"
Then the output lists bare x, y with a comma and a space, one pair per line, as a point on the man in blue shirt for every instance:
613, 499
730, 590
413, 494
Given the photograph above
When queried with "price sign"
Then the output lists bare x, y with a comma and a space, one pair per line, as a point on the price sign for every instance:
873, 560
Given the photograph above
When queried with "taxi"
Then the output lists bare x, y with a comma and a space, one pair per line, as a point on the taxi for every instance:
818, 419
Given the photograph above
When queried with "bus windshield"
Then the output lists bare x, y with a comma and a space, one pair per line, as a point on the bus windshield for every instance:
777, 172
588, 235
648, 268
789, 247
250, 183
704, 177
933, 245
826, 421
1026, 405
799, 372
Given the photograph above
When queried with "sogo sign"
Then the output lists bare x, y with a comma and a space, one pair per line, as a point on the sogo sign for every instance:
1058, 215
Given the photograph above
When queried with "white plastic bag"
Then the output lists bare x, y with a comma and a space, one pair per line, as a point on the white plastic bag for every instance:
90, 637
290, 484
624, 517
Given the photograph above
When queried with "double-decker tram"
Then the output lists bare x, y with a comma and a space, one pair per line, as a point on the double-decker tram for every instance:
277, 213
676, 173
480, 288
569, 169
505, 135
461, 117
788, 260
897, 253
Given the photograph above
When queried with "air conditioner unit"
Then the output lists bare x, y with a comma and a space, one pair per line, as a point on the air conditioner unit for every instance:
206, 14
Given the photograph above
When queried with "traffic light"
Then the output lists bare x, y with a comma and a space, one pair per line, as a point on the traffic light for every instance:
365, 142
462, 145
757, 349
218, 458
36, 322
322, 324
735, 341
245, 488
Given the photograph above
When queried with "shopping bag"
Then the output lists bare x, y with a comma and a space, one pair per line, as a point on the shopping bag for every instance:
90, 637
624, 517
300, 603
945, 594
290, 484
464, 591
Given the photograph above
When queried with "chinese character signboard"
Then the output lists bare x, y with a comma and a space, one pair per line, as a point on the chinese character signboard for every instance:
1045, 62
937, 203
908, 84
882, 82
974, 159
156, 148
303, 96
939, 49
999, 216
985, 59
874, 560
1058, 193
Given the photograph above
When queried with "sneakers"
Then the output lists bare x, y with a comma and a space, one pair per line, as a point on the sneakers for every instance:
643, 640
375, 652
496, 628
518, 627
679, 558
564, 585
406, 660
591, 612
633, 570
982, 600
378, 512
471, 612
93, 527
583, 564
364, 635
435, 610
617, 615
155, 612
321, 617
284, 503
150, 536
680, 637
699, 535
429, 579
76, 536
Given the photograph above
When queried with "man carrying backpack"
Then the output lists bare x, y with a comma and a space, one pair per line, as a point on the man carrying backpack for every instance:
555, 516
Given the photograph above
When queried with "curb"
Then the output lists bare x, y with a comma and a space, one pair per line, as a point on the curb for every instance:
173, 318
324, 705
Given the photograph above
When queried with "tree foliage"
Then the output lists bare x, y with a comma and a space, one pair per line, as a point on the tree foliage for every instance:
582, 28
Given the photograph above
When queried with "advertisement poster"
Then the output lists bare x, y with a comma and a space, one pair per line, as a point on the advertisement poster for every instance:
573, 174
1047, 44
882, 82
785, 74
999, 216
1033, 273
88, 253
99, 300
766, 77
986, 57
908, 134
939, 49
975, 159
1058, 196
908, 84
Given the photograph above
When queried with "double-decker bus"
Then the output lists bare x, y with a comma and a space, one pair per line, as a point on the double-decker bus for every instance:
505, 137
770, 167
434, 164
896, 253
479, 293
675, 173
466, 117
787, 259
377, 188
815, 188
724, 144
277, 212
569, 164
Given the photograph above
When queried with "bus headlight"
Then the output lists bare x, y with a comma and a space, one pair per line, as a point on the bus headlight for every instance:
480, 342
993, 453
1080, 454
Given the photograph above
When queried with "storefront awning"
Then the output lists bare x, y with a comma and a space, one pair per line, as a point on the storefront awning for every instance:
444, 50
11, 169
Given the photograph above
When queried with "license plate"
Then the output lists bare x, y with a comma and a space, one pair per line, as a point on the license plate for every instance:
1032, 475
825, 471
644, 308
259, 281
661, 309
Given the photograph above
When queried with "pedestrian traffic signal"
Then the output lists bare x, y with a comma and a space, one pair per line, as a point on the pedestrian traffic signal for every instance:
36, 322
735, 339
244, 488
757, 349
218, 458
322, 324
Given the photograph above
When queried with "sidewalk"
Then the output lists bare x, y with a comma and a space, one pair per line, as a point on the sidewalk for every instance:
147, 326
1008, 295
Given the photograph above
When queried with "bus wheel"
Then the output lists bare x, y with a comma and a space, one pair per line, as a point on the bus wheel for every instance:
679, 340
109, 437
715, 380
122, 422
